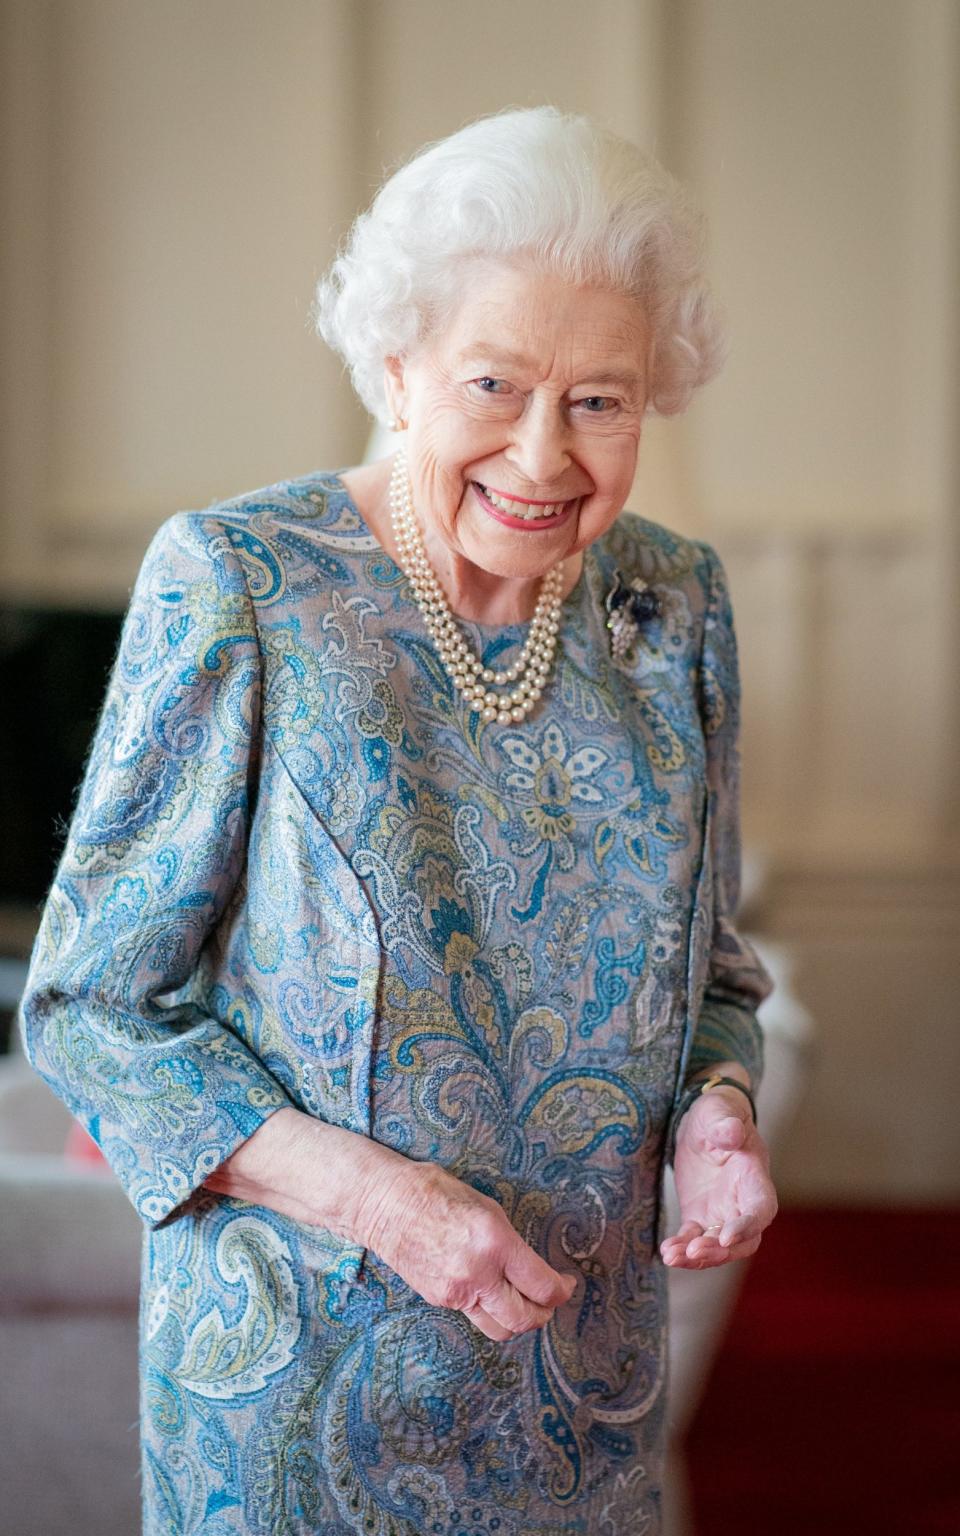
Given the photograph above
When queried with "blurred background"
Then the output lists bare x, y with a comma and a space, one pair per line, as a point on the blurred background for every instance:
173, 180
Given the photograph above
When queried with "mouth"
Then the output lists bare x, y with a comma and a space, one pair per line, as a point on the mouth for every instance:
519, 512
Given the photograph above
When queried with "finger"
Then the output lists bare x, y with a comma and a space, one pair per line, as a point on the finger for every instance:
533, 1277
680, 1258
673, 1252
700, 1247
688, 1229
486, 1324
675, 1258
713, 1257
709, 1256
744, 1250
687, 1232
704, 1261
516, 1313
738, 1229
693, 1243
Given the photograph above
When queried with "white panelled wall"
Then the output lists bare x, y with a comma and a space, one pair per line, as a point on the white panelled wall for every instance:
173, 179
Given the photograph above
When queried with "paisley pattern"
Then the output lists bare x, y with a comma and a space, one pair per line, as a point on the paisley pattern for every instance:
302, 871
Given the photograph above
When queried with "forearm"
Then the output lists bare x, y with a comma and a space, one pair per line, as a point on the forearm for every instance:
727, 1035
314, 1172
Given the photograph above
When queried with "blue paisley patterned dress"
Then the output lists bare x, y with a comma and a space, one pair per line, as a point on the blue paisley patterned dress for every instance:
302, 871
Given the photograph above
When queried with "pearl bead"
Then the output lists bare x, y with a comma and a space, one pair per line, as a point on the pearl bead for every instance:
489, 712
505, 716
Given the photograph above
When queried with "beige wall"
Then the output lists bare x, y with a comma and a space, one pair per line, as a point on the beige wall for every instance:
175, 177
823, 140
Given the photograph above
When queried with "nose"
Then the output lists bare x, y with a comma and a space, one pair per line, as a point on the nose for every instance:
539, 446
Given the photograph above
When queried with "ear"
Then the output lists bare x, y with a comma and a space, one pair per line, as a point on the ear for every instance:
394, 387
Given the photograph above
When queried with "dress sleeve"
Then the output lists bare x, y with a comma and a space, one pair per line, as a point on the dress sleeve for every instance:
111, 1015
736, 981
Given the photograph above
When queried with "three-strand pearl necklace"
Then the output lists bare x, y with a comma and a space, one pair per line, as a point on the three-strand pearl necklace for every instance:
475, 682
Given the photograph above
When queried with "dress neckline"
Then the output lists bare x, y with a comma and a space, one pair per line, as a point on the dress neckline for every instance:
568, 607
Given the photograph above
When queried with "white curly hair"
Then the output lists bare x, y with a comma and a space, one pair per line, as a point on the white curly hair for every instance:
537, 184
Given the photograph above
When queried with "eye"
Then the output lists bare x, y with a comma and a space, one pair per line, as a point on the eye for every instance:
598, 405
491, 386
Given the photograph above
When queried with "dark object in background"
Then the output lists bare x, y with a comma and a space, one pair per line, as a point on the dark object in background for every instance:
54, 666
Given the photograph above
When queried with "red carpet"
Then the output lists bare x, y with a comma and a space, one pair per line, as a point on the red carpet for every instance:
835, 1403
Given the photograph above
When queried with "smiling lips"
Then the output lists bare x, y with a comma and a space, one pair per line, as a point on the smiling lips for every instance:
518, 512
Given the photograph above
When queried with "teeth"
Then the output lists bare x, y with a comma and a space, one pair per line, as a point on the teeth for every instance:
521, 508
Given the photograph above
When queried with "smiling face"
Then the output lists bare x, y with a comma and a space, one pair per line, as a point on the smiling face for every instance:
524, 416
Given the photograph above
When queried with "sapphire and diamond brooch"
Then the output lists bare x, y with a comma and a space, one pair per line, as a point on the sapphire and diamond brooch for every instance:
630, 605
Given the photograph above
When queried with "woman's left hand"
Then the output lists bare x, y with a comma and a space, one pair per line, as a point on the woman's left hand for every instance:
722, 1171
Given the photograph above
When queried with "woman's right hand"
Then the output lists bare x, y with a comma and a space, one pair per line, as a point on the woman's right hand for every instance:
452, 1245
456, 1248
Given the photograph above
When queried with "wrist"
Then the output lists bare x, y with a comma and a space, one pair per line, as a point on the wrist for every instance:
317, 1173
382, 1185
716, 1083
349, 1173
726, 1083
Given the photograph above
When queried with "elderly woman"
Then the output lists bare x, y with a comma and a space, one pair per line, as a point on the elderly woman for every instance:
392, 950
